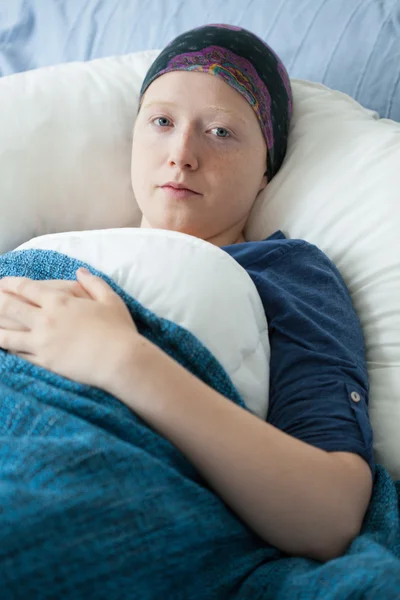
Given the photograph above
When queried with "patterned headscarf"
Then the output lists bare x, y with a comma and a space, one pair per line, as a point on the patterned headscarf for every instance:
247, 64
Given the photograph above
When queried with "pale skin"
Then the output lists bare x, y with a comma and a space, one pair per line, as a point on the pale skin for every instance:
194, 129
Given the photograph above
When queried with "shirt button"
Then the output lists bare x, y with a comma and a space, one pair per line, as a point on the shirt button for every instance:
355, 397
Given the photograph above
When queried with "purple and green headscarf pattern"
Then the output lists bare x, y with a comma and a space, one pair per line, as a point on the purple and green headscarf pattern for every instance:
248, 65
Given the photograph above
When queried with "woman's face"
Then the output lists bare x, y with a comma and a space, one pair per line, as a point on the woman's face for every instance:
196, 131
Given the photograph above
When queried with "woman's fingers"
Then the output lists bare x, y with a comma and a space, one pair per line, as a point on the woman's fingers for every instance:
71, 287
15, 313
40, 293
26, 288
15, 341
15, 309
12, 325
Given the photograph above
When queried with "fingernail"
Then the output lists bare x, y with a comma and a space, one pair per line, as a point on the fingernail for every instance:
84, 271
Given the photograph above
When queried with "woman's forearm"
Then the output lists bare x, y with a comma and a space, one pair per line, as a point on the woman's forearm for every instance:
293, 495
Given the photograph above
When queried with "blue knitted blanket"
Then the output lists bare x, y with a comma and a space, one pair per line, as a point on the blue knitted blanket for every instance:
95, 504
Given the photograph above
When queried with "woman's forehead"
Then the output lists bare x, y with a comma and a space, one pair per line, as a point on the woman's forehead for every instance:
205, 90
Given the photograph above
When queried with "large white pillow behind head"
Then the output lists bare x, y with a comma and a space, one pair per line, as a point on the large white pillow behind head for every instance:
65, 147
65, 165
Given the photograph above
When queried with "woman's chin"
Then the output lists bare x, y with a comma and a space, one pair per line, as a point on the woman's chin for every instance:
170, 225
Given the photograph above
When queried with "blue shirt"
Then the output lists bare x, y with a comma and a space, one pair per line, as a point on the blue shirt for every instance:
318, 374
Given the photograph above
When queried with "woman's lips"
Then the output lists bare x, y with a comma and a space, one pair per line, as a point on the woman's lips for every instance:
178, 193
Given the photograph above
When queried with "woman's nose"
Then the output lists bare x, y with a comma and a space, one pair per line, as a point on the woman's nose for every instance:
183, 152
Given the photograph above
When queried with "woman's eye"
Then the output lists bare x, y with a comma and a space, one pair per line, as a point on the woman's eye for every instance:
162, 121
221, 132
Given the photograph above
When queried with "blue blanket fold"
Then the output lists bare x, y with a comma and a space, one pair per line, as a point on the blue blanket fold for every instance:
96, 504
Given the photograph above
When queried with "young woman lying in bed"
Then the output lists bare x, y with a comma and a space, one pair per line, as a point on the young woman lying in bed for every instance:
210, 134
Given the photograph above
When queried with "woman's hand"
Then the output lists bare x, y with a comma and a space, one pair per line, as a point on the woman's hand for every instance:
78, 329
71, 287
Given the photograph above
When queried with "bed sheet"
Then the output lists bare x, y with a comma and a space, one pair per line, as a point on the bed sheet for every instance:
350, 45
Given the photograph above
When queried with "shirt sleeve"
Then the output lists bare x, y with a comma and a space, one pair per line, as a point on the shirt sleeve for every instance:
318, 374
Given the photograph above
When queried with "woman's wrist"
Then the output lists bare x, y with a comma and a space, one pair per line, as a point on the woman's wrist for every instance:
129, 367
146, 379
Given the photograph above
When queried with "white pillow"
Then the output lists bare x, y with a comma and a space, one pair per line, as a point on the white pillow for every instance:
65, 165
190, 282
65, 147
